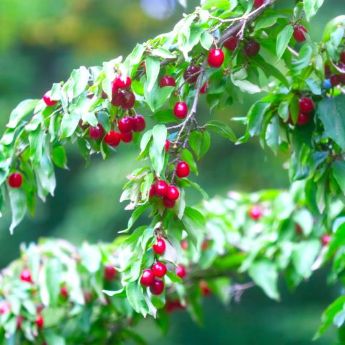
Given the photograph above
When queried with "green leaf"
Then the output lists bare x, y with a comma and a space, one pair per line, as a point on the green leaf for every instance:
69, 124
153, 66
283, 40
200, 142
265, 274
136, 214
331, 112
256, 117
79, 81
304, 256
53, 338
21, 111
159, 134
221, 129
311, 7
90, 257
338, 169
18, 206
206, 40
136, 298
59, 156
187, 156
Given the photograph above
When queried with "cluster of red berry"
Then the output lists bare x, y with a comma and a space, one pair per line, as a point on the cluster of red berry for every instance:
337, 78
122, 96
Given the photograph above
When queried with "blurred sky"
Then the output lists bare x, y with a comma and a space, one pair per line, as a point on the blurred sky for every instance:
41, 41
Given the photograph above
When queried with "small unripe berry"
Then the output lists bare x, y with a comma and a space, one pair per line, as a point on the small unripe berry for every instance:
25, 276
252, 48
48, 101
159, 247
181, 110
231, 43
112, 138
97, 132
139, 123
181, 271
299, 33
215, 58
15, 180
109, 272
39, 322
159, 269
147, 278
167, 81
306, 105
161, 188
172, 193
191, 74
182, 169
303, 119
157, 287
256, 212
125, 124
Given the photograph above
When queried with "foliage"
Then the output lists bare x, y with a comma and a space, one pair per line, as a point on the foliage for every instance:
301, 113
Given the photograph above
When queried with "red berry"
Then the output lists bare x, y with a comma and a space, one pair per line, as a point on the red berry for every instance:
191, 74
88, 296
181, 110
161, 188
215, 58
48, 101
159, 269
327, 71
204, 288
5, 307
325, 239
252, 48
139, 123
299, 33
64, 292
128, 100
167, 145
172, 193
20, 320
121, 82
152, 191
231, 43
342, 57
25, 276
167, 81
15, 180
117, 99
303, 119
125, 124
109, 273
39, 322
112, 138
298, 229
97, 132
335, 80
204, 88
306, 105
256, 212
168, 203
159, 247
205, 245
181, 271
184, 244
258, 3
127, 137
182, 169
147, 278
157, 287
173, 305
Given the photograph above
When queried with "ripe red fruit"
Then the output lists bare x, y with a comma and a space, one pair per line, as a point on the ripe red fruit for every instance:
325, 239
167, 146
127, 137
306, 105
303, 119
39, 322
161, 188
172, 193
109, 273
139, 123
97, 132
48, 101
125, 124
117, 99
121, 82
128, 100
252, 48
181, 271
256, 212
182, 169
112, 138
159, 247
152, 191
5, 307
64, 292
168, 203
231, 43
25, 276
299, 33
159, 269
204, 288
342, 57
258, 3
204, 88
215, 58
15, 180
167, 81
335, 80
184, 244
147, 278
173, 305
205, 244
181, 110
157, 287
191, 74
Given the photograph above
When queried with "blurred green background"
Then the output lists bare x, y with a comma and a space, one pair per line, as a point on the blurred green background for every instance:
41, 41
